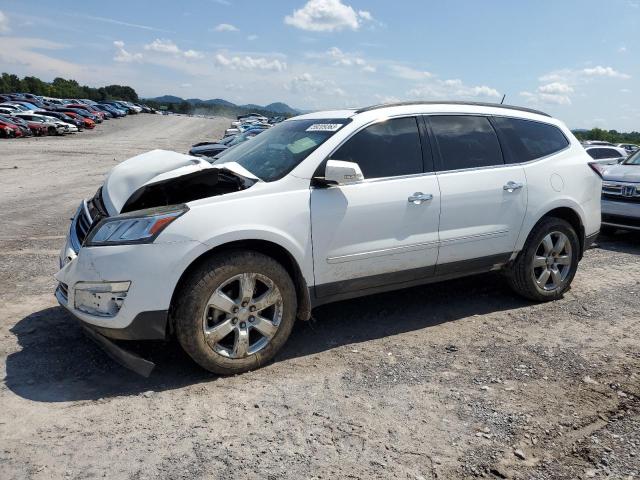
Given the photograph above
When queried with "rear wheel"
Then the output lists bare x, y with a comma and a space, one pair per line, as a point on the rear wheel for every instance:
235, 312
545, 267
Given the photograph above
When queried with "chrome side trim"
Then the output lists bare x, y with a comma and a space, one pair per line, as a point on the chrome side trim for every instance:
382, 252
415, 247
473, 238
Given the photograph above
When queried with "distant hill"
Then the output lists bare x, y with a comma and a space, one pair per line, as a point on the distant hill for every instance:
219, 106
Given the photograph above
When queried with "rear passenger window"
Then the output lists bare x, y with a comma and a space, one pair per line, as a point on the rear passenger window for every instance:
465, 142
526, 140
385, 149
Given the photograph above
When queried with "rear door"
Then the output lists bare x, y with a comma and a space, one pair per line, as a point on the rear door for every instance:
383, 230
483, 200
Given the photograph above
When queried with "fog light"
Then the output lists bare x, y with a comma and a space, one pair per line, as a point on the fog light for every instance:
103, 299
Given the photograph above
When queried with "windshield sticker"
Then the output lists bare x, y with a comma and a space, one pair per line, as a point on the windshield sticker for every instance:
324, 127
301, 145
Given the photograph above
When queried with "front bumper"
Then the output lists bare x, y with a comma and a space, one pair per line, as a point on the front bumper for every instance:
152, 272
621, 214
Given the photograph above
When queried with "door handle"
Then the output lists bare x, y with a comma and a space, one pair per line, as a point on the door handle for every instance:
419, 197
512, 186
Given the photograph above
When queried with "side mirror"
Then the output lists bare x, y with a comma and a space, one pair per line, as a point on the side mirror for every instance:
338, 172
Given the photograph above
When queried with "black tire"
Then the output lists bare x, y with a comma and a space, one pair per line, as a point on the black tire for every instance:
192, 304
521, 276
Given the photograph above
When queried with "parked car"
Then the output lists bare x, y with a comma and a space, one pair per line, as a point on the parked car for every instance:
22, 125
606, 155
621, 195
63, 117
10, 130
81, 112
87, 122
211, 149
94, 114
629, 147
324, 207
28, 128
54, 127
598, 142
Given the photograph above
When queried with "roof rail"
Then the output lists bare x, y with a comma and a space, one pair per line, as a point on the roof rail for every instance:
475, 104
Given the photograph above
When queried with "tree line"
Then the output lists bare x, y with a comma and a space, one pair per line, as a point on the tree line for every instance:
612, 136
63, 88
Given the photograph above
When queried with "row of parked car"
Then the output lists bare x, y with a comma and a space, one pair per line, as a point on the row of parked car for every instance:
244, 128
608, 153
25, 114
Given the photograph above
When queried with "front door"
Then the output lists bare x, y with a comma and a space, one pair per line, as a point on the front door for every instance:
383, 230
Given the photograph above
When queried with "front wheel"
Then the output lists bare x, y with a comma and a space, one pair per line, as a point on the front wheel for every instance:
235, 312
545, 267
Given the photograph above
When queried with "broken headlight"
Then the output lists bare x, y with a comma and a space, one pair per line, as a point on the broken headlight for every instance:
142, 226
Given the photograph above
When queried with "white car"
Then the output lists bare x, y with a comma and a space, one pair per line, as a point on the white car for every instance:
55, 127
606, 155
324, 207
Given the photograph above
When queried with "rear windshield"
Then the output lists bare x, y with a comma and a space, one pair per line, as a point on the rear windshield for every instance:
275, 152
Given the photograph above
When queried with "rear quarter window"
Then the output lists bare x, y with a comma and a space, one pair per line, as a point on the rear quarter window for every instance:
526, 140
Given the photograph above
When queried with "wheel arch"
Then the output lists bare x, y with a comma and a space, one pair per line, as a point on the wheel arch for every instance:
571, 216
266, 247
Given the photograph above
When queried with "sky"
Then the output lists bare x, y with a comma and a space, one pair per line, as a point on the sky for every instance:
578, 60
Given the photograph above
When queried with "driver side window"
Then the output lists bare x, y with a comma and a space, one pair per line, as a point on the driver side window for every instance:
385, 149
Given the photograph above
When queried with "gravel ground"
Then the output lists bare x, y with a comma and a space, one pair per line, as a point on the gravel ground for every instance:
448, 381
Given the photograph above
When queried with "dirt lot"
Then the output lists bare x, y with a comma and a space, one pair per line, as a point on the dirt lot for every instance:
446, 381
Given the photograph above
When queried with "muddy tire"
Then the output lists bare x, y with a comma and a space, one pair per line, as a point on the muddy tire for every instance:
545, 267
235, 311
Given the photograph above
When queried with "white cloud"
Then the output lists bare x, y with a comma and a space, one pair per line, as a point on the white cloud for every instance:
452, 89
622, 49
186, 85
408, 73
123, 55
558, 86
343, 59
600, 71
4, 23
572, 76
252, 37
555, 88
193, 54
168, 47
225, 27
537, 98
247, 62
327, 16
162, 46
307, 83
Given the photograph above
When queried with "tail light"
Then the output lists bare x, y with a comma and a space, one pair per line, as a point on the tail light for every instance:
598, 168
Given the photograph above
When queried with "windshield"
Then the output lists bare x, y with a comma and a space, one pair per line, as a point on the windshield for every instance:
277, 151
634, 159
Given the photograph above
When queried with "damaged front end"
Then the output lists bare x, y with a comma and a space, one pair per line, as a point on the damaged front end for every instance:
139, 199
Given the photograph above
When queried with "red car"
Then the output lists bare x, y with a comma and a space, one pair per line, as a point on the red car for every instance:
9, 130
88, 123
37, 129
88, 108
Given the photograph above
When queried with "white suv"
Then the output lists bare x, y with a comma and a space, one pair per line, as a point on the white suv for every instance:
324, 207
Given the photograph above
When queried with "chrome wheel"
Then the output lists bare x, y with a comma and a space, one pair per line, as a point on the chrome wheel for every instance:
242, 315
552, 261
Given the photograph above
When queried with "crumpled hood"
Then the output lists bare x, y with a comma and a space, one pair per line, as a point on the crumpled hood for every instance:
151, 168
209, 148
622, 173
